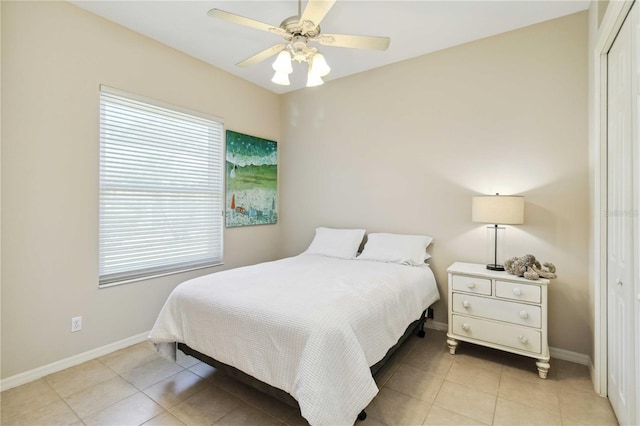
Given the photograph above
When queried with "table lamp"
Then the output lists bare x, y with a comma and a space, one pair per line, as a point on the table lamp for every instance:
498, 210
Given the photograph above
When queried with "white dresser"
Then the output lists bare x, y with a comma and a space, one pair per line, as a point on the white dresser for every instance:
499, 310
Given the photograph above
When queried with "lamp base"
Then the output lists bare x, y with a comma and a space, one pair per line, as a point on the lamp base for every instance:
494, 267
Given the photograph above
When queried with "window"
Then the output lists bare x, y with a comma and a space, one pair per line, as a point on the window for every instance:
161, 189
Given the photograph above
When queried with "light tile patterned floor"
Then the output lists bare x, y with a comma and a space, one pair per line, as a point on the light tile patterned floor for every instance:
423, 384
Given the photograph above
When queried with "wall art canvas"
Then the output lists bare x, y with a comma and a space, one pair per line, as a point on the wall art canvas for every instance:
252, 180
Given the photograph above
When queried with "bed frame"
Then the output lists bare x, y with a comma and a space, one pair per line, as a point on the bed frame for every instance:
415, 327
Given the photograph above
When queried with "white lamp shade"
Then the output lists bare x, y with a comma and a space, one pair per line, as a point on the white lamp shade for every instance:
282, 64
313, 79
319, 65
281, 78
498, 209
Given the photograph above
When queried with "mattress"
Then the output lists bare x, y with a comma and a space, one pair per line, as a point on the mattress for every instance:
309, 325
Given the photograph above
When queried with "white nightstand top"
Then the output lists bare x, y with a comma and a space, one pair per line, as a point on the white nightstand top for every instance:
482, 271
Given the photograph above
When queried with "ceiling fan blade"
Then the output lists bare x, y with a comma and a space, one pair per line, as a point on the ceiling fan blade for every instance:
356, 41
315, 11
247, 22
259, 57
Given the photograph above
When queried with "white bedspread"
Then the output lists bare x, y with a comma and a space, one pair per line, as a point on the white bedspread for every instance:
309, 325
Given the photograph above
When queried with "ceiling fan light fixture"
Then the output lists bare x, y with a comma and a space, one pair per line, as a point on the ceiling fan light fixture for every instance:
282, 64
281, 78
319, 65
298, 31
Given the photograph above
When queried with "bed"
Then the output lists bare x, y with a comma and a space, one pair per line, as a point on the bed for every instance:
311, 325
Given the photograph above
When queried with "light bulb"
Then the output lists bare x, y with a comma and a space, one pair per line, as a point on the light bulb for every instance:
319, 65
283, 63
313, 79
281, 78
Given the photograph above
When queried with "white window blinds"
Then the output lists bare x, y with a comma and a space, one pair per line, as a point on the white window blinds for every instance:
161, 189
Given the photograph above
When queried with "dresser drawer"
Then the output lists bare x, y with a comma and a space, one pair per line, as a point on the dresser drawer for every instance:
518, 291
500, 310
472, 284
522, 338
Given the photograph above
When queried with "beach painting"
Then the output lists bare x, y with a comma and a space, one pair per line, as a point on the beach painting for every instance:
252, 180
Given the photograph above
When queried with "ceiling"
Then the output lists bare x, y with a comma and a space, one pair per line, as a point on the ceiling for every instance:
415, 28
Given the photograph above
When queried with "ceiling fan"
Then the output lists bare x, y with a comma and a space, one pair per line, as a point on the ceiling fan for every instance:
298, 31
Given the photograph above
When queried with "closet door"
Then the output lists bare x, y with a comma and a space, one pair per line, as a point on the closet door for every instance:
622, 327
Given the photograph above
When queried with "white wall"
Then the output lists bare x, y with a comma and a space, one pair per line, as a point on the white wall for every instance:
404, 148
54, 57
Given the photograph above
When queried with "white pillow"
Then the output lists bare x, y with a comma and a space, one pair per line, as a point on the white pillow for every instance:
341, 243
396, 248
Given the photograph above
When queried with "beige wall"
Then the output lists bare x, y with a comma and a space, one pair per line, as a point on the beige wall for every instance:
404, 148
398, 149
54, 56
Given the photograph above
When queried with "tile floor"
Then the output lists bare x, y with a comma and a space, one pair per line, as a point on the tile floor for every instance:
423, 384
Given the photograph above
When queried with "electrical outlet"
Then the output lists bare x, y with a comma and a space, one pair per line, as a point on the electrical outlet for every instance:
76, 324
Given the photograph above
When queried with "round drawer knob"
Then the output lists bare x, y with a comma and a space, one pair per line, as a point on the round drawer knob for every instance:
466, 326
517, 291
523, 340
524, 314
466, 304
471, 285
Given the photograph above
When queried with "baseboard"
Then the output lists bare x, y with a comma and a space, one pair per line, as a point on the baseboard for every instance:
54, 367
436, 325
570, 356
